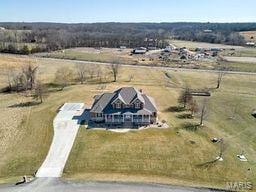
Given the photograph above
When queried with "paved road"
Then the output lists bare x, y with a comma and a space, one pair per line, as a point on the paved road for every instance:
66, 125
145, 66
56, 185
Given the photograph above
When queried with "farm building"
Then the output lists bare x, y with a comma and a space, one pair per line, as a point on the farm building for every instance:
139, 50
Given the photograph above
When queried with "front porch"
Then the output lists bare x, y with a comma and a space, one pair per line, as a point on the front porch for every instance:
128, 118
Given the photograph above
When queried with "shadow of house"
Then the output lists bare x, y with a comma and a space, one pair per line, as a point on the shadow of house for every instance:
83, 118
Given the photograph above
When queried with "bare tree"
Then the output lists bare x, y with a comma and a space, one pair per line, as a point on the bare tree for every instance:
222, 71
99, 72
193, 107
91, 71
203, 111
9, 73
29, 72
81, 71
115, 67
219, 79
185, 97
63, 76
131, 77
40, 91
19, 81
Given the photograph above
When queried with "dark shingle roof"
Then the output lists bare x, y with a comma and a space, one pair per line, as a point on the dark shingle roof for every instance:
128, 94
103, 103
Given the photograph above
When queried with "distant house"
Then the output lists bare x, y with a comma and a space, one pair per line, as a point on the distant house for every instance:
207, 31
139, 50
250, 44
124, 107
2, 28
216, 49
152, 48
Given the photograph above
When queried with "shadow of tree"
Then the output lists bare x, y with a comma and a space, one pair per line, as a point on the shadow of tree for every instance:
175, 109
25, 104
185, 116
207, 164
190, 126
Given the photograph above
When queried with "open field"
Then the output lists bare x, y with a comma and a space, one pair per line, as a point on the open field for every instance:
193, 45
245, 63
98, 55
244, 52
230, 50
242, 59
155, 155
248, 34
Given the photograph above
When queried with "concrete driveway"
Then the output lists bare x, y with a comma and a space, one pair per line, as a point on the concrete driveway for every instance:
66, 125
56, 185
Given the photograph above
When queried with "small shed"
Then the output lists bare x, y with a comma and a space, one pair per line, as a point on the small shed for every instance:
140, 50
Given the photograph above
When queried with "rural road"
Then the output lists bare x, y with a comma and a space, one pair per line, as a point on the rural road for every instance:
56, 185
66, 125
145, 66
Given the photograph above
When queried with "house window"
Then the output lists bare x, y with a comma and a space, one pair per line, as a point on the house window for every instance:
126, 106
118, 105
137, 105
99, 114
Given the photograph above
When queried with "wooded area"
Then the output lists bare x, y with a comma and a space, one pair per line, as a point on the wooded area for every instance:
26, 38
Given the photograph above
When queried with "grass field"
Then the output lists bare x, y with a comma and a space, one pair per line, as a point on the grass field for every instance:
237, 51
193, 45
170, 155
92, 54
248, 34
123, 56
244, 52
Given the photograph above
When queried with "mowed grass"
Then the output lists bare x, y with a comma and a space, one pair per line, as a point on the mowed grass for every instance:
172, 155
175, 154
193, 44
240, 52
92, 54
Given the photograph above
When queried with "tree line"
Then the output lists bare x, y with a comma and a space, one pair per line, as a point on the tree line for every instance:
17, 37
26, 80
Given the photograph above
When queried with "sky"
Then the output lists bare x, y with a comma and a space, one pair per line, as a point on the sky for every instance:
90, 11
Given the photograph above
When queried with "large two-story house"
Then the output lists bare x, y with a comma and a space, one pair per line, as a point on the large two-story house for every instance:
126, 106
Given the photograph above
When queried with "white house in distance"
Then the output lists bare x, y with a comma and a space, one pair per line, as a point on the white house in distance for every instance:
139, 50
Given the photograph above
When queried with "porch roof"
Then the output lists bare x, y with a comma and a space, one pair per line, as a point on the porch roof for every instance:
129, 112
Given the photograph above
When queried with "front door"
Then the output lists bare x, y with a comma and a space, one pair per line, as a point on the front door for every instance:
128, 118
